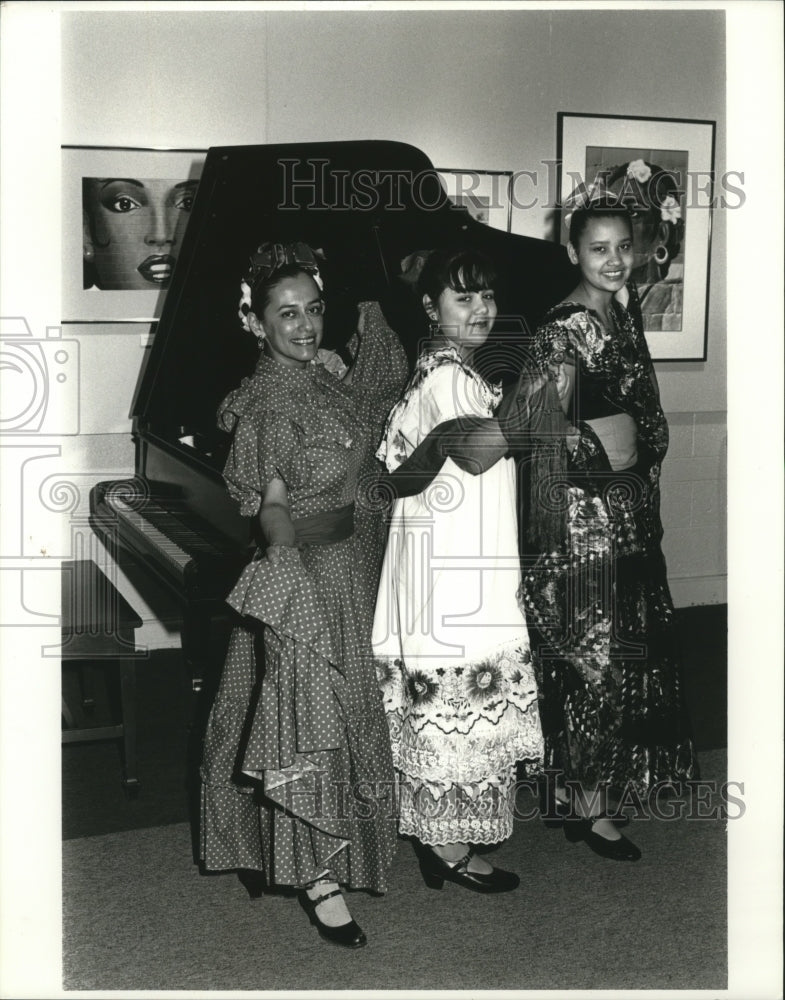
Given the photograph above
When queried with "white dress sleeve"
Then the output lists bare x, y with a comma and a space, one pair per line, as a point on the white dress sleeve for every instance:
446, 392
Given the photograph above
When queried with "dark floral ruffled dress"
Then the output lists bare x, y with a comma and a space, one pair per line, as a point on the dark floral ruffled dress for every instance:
297, 775
598, 604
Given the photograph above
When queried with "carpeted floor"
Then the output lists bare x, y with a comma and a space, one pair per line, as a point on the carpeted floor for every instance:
139, 915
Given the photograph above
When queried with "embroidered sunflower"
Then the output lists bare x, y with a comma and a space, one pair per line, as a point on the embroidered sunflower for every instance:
384, 671
483, 680
421, 688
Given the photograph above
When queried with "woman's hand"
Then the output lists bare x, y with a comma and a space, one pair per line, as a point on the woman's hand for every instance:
275, 553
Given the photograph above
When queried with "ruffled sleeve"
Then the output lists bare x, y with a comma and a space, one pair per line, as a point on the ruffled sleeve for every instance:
380, 362
380, 369
266, 445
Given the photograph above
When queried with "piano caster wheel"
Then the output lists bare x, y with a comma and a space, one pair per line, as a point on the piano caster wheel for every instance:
131, 788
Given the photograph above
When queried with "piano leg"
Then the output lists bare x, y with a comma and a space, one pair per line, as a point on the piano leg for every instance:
128, 701
205, 638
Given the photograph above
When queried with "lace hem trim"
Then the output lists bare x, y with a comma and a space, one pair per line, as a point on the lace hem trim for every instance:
482, 765
468, 813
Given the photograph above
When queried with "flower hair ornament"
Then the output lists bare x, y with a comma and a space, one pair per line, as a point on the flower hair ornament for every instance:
651, 185
269, 258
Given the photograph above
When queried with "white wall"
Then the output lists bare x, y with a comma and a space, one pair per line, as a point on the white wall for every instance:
475, 89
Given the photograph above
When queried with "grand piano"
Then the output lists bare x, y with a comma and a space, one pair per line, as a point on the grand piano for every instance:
368, 205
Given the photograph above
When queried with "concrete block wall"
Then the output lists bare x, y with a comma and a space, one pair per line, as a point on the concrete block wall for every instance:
695, 506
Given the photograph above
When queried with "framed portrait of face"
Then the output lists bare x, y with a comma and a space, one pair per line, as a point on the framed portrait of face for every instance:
484, 194
125, 211
662, 171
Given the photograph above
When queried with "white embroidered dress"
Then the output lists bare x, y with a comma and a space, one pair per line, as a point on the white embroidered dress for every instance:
449, 635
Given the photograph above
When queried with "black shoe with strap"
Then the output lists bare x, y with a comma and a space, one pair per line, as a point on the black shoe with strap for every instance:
347, 935
436, 871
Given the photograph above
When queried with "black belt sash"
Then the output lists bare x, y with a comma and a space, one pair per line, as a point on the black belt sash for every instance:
326, 528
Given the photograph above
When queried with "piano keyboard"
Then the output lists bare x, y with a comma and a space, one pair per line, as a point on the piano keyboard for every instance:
173, 540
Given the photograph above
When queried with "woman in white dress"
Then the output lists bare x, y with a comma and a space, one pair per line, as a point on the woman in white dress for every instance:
449, 636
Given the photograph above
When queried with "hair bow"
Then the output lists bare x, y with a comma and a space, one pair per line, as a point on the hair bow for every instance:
270, 257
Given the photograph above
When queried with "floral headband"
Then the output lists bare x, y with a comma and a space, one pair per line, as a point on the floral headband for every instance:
269, 258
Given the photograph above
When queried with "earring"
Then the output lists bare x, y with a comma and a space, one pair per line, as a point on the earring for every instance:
661, 253
87, 253
433, 327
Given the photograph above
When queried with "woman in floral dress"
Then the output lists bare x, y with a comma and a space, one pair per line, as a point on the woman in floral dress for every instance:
297, 778
449, 635
595, 588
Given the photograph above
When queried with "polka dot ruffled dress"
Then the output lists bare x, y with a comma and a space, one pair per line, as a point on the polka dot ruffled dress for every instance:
297, 774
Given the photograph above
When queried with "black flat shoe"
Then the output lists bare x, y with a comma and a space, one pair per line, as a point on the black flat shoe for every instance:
555, 812
615, 850
436, 871
347, 935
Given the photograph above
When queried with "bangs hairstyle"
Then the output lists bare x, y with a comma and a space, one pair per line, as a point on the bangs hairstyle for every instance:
598, 210
461, 270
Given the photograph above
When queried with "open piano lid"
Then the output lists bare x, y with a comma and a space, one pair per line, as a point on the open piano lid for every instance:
367, 205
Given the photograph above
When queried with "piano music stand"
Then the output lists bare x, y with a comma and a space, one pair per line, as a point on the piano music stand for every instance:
98, 624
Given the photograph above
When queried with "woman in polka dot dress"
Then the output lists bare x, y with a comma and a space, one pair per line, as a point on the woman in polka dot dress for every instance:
297, 777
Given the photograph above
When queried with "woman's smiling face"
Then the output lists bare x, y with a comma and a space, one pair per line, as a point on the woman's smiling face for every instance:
464, 318
292, 322
132, 228
604, 253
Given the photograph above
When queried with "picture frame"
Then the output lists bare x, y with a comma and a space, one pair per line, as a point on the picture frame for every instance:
484, 194
124, 211
670, 162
